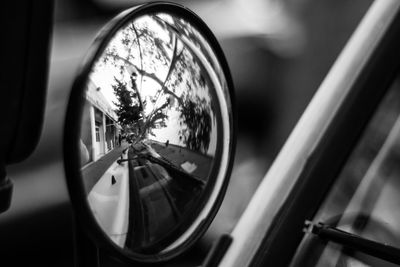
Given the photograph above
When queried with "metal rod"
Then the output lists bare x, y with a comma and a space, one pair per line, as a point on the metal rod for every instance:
348, 240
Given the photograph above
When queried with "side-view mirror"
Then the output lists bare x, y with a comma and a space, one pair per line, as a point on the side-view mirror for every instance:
149, 134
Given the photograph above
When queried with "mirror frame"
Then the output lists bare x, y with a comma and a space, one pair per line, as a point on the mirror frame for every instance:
85, 219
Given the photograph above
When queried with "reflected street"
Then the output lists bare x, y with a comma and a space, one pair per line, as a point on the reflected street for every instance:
165, 189
161, 182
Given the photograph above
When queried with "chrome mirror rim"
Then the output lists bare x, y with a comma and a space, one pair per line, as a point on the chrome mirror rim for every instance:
71, 134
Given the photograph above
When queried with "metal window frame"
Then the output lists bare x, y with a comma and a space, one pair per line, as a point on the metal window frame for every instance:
270, 230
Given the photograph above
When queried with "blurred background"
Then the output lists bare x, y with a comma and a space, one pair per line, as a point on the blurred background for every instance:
278, 51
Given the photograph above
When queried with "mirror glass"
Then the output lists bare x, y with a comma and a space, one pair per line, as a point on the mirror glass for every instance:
151, 131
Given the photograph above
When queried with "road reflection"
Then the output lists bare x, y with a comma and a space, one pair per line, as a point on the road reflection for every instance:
145, 192
162, 191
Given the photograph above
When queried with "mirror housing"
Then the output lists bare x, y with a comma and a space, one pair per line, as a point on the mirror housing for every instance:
207, 89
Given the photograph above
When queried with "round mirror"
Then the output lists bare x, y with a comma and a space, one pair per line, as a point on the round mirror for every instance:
149, 133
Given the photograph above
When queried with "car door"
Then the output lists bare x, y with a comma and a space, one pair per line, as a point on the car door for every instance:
271, 229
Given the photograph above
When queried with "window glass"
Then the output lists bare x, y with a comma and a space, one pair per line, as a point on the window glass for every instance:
336, 255
365, 199
97, 134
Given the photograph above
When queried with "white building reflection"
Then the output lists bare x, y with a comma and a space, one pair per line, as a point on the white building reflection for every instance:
100, 130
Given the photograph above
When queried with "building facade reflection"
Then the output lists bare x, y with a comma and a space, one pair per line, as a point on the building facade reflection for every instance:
100, 131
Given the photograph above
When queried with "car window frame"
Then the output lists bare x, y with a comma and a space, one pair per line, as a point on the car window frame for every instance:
270, 229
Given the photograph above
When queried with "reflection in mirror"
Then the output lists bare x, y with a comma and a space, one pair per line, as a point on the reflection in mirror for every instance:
149, 131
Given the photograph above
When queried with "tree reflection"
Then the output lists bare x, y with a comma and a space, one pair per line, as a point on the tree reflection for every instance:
128, 113
150, 51
198, 122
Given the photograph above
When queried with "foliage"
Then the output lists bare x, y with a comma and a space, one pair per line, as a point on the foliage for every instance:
148, 53
198, 123
128, 113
